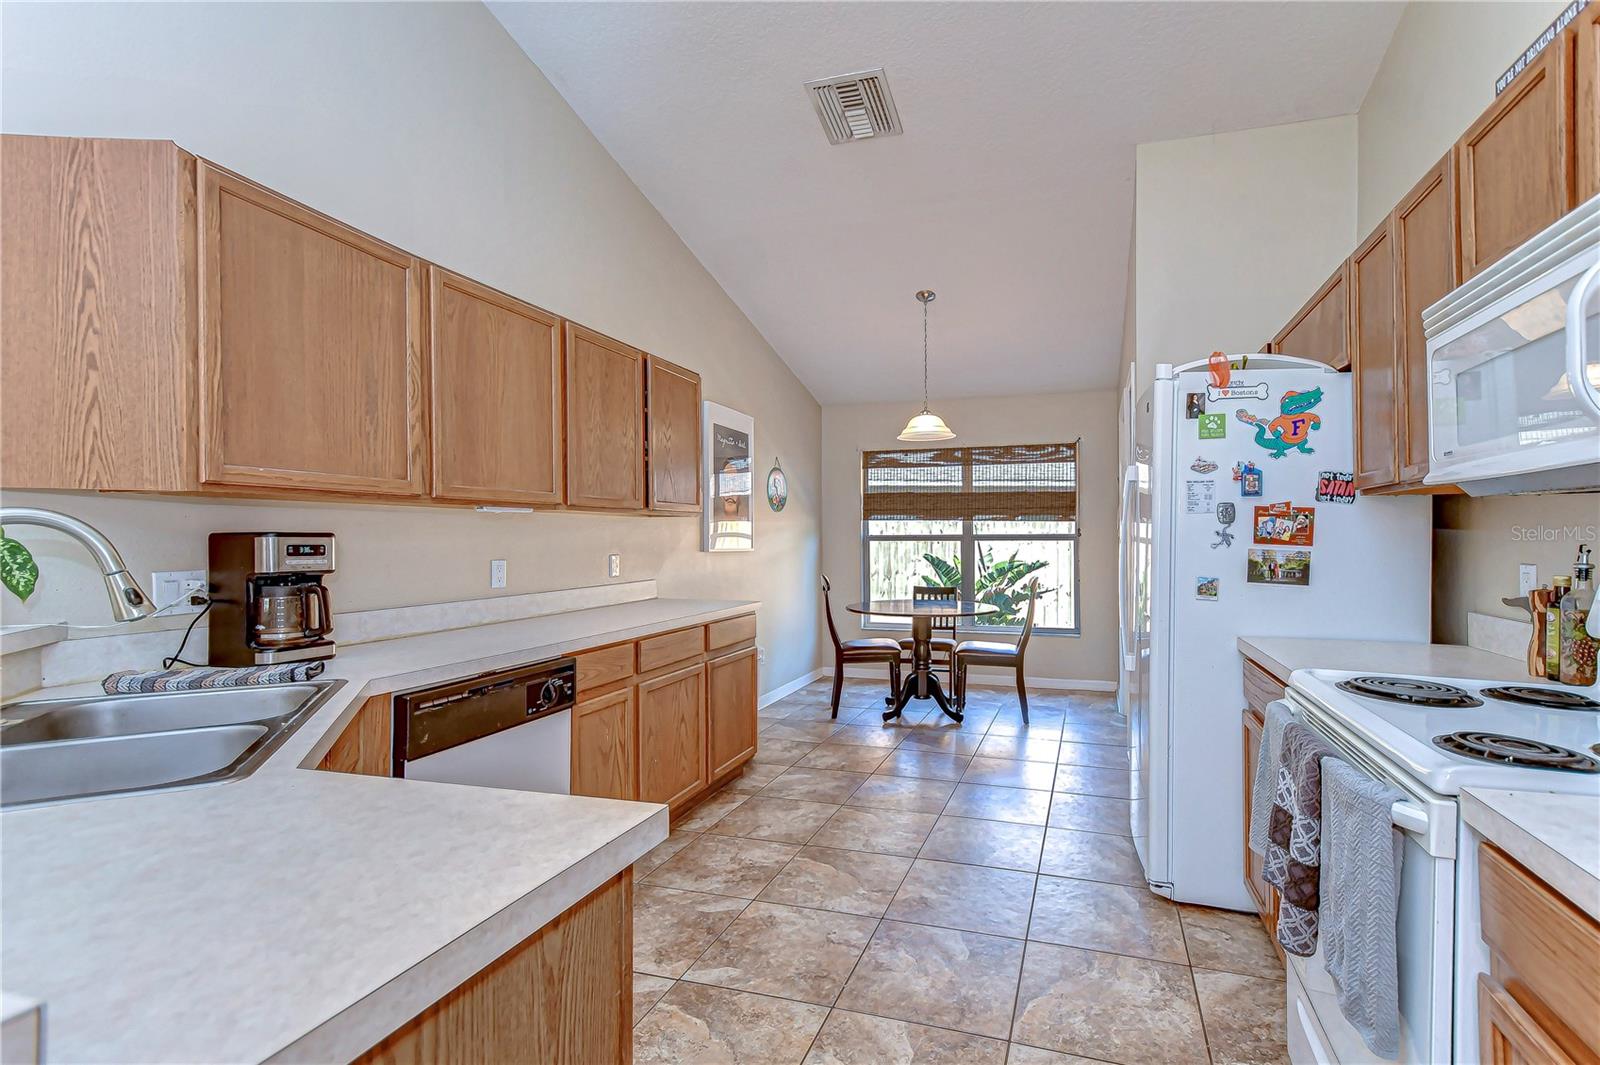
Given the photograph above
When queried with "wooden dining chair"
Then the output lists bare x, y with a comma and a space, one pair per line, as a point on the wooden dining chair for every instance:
880, 649
944, 646
994, 653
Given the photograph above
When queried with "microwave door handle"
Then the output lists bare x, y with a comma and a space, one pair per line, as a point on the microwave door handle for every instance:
1578, 340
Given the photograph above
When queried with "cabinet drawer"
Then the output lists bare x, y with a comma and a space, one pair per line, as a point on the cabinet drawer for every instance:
608, 665
731, 632
1543, 945
671, 647
1260, 687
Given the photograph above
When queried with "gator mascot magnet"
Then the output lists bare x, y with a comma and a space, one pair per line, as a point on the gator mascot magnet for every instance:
1290, 430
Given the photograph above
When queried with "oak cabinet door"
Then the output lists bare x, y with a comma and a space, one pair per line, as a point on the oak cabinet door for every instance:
605, 421
1321, 329
1373, 358
602, 746
731, 683
1515, 161
310, 348
673, 415
1428, 265
495, 368
672, 736
1586, 58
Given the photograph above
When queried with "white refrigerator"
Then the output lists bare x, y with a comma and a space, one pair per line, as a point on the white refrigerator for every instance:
1239, 518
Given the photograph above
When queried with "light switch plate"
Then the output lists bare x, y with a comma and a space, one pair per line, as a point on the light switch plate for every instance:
497, 573
174, 586
613, 565
1527, 578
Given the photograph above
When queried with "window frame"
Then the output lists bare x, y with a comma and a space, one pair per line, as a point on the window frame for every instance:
967, 543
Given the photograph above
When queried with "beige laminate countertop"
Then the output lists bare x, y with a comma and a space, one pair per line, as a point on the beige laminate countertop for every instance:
1283, 655
1557, 837
300, 915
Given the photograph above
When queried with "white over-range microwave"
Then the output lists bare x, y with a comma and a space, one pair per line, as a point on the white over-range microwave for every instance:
1514, 368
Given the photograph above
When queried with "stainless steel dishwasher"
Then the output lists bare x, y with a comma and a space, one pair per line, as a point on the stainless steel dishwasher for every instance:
507, 729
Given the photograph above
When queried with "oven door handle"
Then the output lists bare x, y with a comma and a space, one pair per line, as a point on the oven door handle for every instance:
1410, 817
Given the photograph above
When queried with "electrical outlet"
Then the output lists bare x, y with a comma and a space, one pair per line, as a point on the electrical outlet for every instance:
761, 655
176, 586
1527, 578
613, 565
497, 573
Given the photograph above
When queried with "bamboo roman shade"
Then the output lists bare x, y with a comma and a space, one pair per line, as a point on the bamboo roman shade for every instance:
1014, 482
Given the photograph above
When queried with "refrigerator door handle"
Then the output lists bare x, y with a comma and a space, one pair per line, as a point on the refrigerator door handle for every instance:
1130, 658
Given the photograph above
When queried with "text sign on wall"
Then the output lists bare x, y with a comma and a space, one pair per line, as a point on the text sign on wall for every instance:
1541, 42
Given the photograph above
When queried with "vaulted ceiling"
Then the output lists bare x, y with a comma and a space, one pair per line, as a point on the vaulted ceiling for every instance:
1010, 193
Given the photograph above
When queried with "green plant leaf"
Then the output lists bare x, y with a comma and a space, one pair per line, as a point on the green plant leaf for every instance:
18, 571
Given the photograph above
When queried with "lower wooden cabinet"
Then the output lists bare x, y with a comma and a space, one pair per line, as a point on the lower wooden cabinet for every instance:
672, 736
731, 702
1260, 688
603, 762
563, 996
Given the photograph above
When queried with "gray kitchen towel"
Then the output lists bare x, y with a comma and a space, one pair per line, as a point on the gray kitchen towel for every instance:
1279, 714
1361, 855
131, 681
1294, 838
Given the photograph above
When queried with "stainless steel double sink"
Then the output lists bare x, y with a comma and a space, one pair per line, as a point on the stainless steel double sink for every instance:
63, 749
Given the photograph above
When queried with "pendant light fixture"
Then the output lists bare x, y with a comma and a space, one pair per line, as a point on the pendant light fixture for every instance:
927, 425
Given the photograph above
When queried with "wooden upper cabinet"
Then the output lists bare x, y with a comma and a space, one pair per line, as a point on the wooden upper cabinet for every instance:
97, 315
672, 412
605, 421
1586, 59
672, 736
1374, 351
603, 754
1428, 266
1515, 161
310, 348
1321, 329
731, 709
495, 368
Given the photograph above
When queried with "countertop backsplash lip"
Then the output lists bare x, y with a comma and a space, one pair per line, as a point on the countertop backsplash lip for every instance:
1282, 655
505, 862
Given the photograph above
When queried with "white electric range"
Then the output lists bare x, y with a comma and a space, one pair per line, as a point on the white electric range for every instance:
1430, 737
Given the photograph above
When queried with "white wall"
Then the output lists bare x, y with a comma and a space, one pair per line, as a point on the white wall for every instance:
1436, 78
425, 125
1036, 419
1234, 232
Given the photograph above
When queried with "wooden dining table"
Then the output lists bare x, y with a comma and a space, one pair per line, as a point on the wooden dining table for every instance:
922, 683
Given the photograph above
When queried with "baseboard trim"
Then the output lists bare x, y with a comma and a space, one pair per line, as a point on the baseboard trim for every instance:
1002, 678
768, 698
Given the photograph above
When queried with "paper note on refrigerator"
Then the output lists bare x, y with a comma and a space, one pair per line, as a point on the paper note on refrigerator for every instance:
1200, 497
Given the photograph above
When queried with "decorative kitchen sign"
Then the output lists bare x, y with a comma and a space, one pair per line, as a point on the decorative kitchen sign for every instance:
1267, 565
1206, 588
1540, 43
1213, 426
1248, 476
1201, 464
1194, 405
1285, 524
729, 445
1226, 513
1291, 428
777, 486
1199, 497
1334, 486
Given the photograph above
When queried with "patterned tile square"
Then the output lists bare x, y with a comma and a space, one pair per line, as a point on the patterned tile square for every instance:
1244, 1017
1109, 917
946, 739
724, 865
880, 831
672, 928
867, 735
647, 991
1115, 1008
1016, 805
699, 1023
1230, 942
916, 761
786, 951
903, 793
1104, 756
843, 756
676, 840
1091, 856
780, 752
1020, 1054
857, 1039
973, 898
1010, 773
783, 820
992, 843
847, 881
1090, 813
1027, 748
800, 731
753, 777
939, 976
1093, 780
711, 810
1095, 732
818, 785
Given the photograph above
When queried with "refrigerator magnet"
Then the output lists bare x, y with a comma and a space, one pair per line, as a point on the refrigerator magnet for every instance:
1335, 486
1199, 497
1220, 393
1213, 426
1194, 405
1206, 588
1284, 524
1201, 464
1248, 476
1226, 515
1268, 565
1293, 426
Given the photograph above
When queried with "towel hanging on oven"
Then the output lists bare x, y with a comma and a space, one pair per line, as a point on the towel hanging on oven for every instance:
1294, 850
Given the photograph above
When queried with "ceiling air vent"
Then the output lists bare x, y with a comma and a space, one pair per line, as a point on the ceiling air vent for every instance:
855, 107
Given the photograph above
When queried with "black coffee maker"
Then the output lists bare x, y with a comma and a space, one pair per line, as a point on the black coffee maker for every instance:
268, 602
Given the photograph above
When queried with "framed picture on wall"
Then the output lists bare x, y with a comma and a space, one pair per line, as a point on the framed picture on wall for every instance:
729, 444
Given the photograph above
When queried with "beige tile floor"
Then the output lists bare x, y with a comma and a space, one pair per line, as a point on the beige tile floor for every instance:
926, 892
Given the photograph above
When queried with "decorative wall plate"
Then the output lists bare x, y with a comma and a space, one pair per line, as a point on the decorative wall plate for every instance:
777, 487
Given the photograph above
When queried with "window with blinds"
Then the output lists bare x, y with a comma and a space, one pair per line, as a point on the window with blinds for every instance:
984, 519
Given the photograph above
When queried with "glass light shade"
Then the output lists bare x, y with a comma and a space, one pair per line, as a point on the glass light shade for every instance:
926, 426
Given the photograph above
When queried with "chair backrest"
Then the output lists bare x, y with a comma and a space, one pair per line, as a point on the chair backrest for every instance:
827, 611
938, 594
1027, 621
